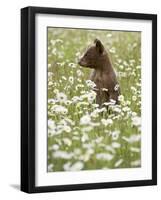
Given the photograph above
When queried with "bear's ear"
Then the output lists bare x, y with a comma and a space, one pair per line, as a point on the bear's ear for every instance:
99, 46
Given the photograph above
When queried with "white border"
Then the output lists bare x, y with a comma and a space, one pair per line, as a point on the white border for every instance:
92, 176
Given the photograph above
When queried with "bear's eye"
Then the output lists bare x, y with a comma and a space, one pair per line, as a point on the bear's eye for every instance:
86, 55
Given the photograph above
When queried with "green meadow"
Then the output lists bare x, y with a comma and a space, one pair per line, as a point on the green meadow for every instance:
82, 135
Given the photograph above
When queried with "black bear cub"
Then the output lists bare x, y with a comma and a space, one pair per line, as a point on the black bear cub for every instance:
103, 74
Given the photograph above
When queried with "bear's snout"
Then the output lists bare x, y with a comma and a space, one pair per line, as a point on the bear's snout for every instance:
81, 62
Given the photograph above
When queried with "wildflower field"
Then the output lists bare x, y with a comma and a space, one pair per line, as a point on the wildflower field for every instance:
82, 135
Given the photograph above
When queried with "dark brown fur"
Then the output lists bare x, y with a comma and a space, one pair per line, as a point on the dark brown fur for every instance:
103, 75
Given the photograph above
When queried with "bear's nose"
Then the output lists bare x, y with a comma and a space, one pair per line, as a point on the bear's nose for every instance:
79, 61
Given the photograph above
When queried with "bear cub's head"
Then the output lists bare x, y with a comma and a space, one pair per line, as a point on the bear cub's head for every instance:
94, 55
